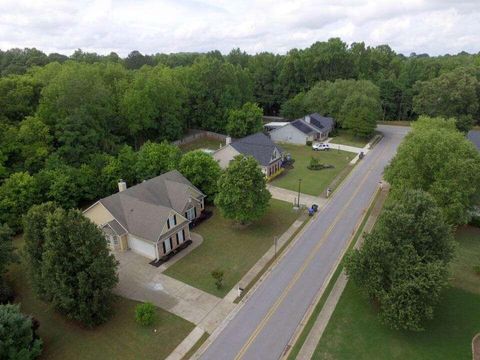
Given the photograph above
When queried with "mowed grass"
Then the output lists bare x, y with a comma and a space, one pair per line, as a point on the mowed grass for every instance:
120, 338
345, 137
230, 248
354, 331
202, 143
314, 182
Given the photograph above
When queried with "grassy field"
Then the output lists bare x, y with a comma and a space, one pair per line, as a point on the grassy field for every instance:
313, 182
202, 143
120, 338
344, 137
230, 248
354, 331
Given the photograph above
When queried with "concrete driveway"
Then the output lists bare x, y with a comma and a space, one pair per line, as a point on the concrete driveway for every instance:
138, 280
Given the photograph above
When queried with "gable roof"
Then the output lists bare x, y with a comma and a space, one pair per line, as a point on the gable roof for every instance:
474, 137
144, 208
321, 122
258, 145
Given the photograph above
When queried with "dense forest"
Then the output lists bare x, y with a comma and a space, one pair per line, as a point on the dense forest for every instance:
70, 127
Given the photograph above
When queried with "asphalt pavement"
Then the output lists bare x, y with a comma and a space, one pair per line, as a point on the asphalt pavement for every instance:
267, 321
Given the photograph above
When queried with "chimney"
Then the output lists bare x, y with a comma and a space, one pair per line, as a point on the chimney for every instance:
228, 140
122, 186
307, 118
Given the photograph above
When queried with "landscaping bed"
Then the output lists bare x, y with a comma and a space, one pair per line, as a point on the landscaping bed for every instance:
313, 182
231, 248
354, 331
120, 338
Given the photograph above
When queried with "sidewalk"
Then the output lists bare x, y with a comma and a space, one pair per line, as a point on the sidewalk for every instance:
315, 334
292, 196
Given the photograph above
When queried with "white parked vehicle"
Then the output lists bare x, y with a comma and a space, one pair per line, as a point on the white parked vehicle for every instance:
320, 147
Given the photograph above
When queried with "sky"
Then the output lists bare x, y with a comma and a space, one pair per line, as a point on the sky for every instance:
435, 27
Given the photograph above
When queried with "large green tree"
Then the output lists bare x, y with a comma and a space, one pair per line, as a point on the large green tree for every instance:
18, 339
245, 121
215, 87
153, 106
202, 171
435, 157
360, 113
155, 159
242, 192
452, 94
78, 286
403, 263
17, 194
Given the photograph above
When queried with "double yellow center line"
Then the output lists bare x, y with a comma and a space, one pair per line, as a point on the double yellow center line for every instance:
302, 269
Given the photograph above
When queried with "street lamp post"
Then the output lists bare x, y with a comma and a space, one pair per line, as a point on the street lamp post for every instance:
299, 183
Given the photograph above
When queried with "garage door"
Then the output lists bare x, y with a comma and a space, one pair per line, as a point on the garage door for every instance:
141, 247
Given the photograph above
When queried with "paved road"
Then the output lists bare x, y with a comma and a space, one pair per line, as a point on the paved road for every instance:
264, 325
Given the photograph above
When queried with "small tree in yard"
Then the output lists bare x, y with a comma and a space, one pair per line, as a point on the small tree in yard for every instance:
218, 277
145, 314
242, 192
18, 339
78, 272
403, 264
202, 170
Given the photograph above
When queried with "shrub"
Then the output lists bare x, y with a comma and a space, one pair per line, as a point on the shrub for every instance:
145, 314
309, 143
218, 276
316, 165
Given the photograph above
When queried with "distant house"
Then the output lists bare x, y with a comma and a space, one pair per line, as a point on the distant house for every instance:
474, 137
313, 127
259, 145
150, 218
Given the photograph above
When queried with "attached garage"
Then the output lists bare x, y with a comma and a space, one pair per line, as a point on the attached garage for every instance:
141, 247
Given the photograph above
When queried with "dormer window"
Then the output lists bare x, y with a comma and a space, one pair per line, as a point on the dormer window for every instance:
171, 221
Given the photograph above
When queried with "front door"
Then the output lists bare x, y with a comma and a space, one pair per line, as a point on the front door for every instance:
167, 245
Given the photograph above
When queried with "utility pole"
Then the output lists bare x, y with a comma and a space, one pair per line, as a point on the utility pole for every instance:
275, 243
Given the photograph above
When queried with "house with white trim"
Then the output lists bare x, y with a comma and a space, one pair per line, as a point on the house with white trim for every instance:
151, 218
313, 127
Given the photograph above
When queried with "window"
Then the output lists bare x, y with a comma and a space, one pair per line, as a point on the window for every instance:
171, 221
191, 213
180, 237
202, 205
167, 245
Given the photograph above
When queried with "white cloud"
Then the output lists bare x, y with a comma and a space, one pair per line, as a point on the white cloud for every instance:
150, 26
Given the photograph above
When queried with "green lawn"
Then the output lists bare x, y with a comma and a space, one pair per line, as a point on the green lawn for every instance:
354, 331
202, 143
119, 338
344, 137
313, 182
230, 248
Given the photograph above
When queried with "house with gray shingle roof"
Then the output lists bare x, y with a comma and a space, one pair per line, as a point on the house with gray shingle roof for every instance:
151, 218
313, 127
260, 146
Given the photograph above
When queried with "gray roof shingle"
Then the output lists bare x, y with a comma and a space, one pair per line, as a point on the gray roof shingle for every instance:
258, 145
143, 209
322, 122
